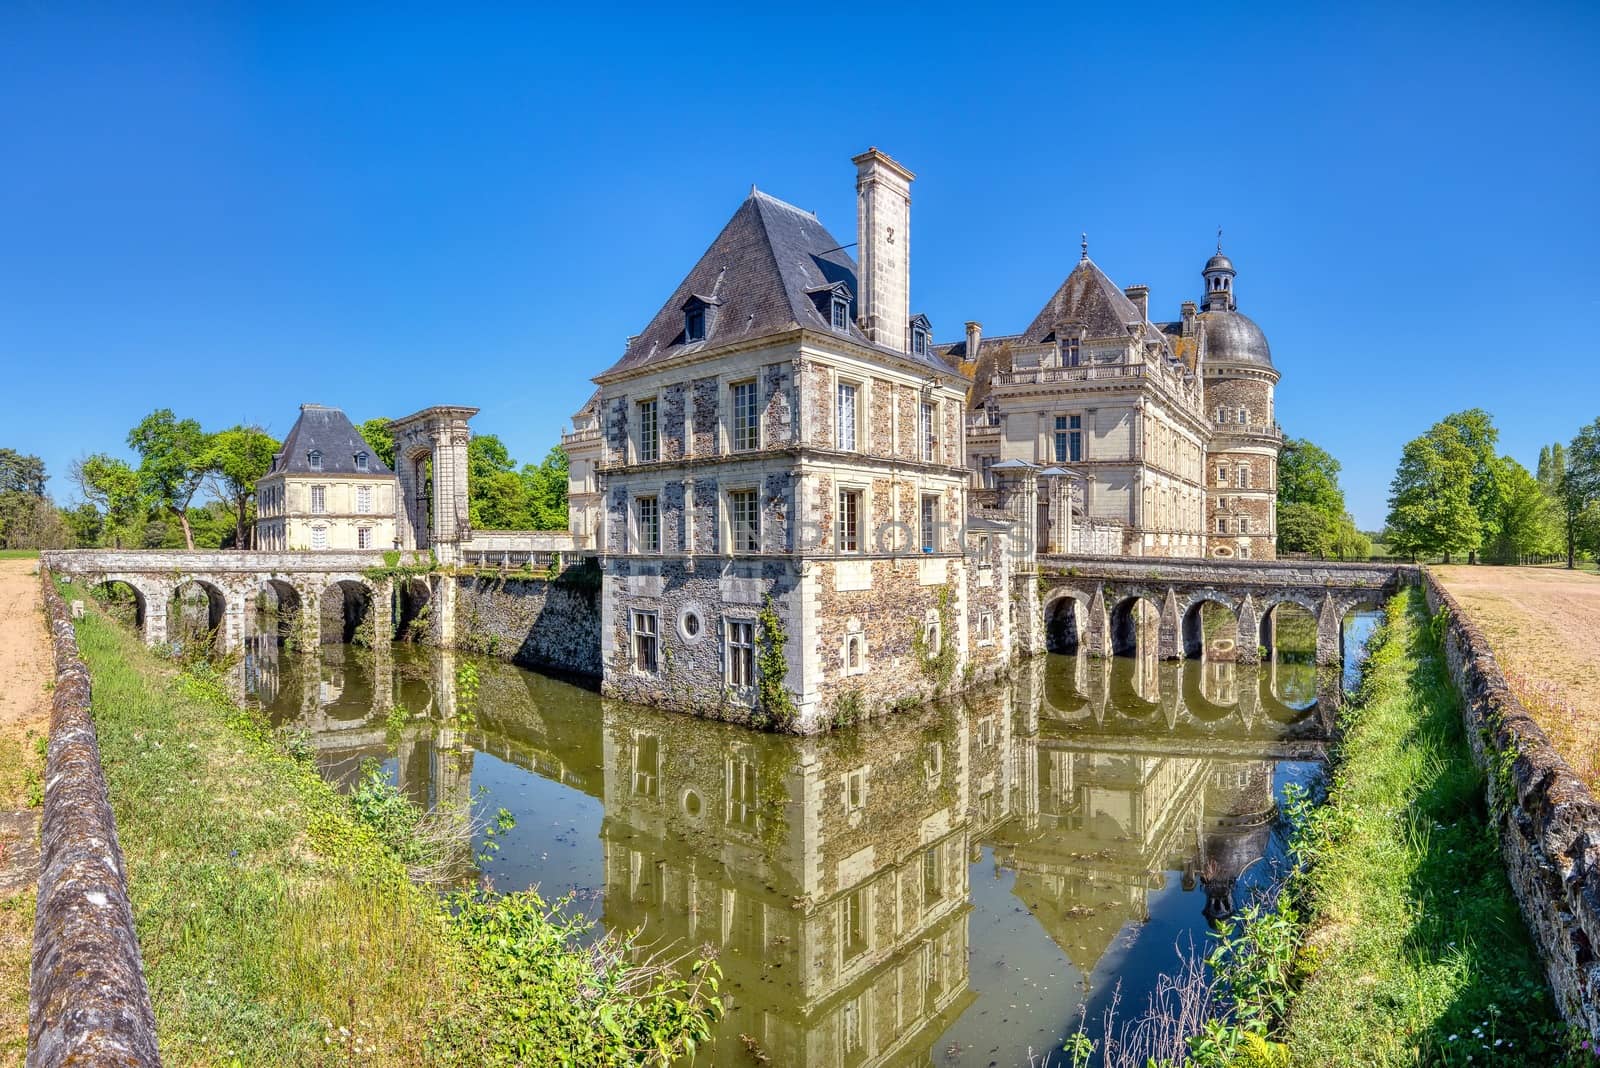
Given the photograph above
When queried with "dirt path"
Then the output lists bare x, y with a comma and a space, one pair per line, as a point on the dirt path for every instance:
24, 650
1544, 624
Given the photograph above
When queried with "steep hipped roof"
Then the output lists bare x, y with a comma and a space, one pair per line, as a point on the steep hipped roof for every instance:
1087, 297
771, 269
329, 432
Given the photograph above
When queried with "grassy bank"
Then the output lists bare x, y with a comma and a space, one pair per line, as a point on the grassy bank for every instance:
279, 928
1416, 950
21, 786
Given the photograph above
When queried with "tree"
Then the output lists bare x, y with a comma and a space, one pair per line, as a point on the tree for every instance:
84, 525
21, 474
173, 457
1477, 432
238, 457
547, 490
1312, 517
22, 500
379, 436
1525, 524
114, 487
498, 499
1580, 492
1430, 499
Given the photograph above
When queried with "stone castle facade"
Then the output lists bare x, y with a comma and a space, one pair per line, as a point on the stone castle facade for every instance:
785, 440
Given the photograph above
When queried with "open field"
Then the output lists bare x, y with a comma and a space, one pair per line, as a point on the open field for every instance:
1544, 624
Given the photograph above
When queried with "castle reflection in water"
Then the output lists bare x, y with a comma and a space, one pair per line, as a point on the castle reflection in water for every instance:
831, 874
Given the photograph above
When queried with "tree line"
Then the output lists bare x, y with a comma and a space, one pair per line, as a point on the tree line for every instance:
1453, 494
192, 488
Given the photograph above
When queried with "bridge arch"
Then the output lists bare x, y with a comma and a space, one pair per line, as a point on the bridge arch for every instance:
1272, 619
1135, 624
1224, 641
278, 604
197, 609
345, 605
1066, 620
125, 601
414, 600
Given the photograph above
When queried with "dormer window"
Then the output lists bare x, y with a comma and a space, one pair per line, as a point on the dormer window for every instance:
841, 312
697, 314
361, 462
921, 332
832, 300
314, 459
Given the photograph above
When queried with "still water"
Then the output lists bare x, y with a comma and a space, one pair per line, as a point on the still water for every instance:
946, 887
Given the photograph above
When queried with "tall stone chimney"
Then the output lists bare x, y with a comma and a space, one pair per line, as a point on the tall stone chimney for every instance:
1140, 295
974, 340
883, 236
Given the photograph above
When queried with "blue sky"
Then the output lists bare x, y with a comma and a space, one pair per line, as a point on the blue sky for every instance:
229, 210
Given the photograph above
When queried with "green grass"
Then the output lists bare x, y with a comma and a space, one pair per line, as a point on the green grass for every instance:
1415, 937
277, 928
21, 786
19, 554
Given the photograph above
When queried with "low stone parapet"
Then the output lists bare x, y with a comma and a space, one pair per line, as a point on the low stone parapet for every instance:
88, 1002
1548, 821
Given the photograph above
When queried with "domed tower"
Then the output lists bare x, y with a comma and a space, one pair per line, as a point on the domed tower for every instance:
1242, 456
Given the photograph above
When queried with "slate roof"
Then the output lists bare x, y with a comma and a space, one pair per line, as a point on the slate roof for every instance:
1087, 297
330, 432
767, 272
1234, 338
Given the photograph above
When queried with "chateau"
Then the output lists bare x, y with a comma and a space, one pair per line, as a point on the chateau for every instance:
325, 489
785, 437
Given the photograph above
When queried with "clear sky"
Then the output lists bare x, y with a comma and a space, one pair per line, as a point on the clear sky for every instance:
230, 209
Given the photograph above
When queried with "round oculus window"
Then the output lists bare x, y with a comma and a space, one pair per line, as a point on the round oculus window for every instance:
691, 624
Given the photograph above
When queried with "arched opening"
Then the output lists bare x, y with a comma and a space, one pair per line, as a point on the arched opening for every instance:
422, 503
1210, 632
1065, 692
1063, 626
277, 611
1136, 684
415, 599
1210, 689
1135, 627
347, 614
122, 602
194, 617
1289, 655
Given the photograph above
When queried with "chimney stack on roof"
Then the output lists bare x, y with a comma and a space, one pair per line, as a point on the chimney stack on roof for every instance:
883, 235
974, 339
1140, 295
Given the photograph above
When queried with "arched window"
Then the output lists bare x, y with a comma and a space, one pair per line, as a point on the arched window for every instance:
852, 653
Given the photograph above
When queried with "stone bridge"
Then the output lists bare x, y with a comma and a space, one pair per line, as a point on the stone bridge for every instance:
232, 581
1091, 602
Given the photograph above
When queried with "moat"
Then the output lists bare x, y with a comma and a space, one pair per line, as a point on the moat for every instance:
948, 886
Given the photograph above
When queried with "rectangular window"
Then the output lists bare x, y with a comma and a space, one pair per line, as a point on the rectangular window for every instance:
1244, 477
649, 525
319, 537
855, 790
930, 521
646, 765
319, 499
845, 416
849, 524
986, 471
363, 499
853, 924
361, 462
363, 537
1069, 352
1244, 524
930, 441
741, 653
1222, 475
745, 519
645, 639
1069, 439
1244, 416
841, 314
649, 432
743, 804
746, 433
1222, 524
932, 877
986, 627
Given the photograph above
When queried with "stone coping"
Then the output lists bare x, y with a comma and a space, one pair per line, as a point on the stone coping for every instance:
1548, 821
88, 1002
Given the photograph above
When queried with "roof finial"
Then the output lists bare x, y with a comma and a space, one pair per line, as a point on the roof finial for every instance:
1219, 240
1085, 237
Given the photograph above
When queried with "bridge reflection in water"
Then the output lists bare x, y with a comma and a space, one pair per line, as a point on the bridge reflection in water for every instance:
956, 880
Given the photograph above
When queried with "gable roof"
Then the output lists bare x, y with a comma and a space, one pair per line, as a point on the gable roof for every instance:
330, 432
1087, 297
773, 268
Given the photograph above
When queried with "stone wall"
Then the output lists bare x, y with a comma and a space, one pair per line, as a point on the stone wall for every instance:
1549, 823
87, 999
535, 622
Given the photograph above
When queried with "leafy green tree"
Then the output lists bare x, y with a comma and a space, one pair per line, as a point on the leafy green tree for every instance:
114, 487
1430, 499
238, 457
1580, 493
21, 474
1478, 433
1526, 523
1312, 517
547, 490
173, 456
84, 524
497, 498
22, 502
379, 436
